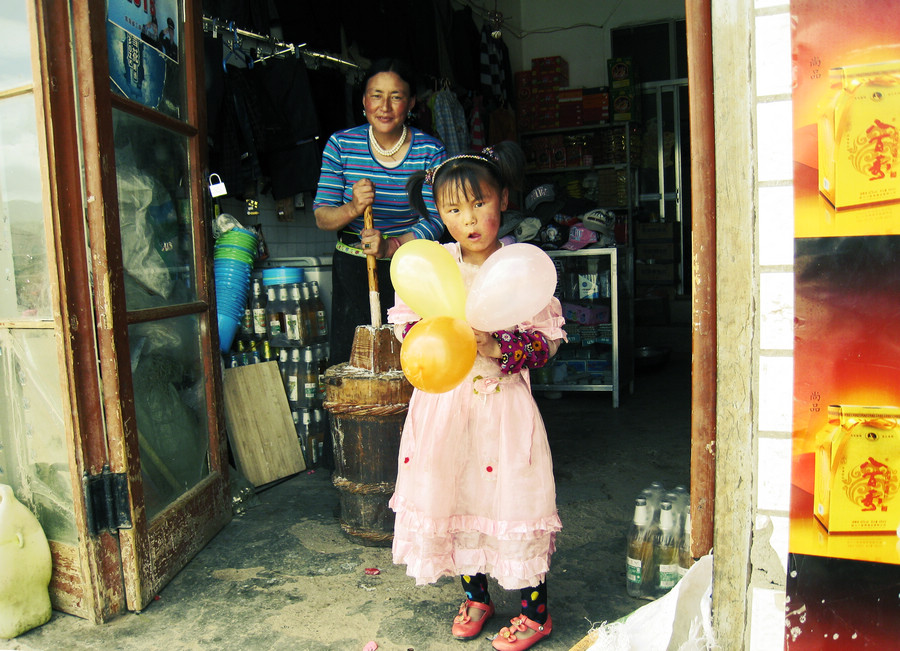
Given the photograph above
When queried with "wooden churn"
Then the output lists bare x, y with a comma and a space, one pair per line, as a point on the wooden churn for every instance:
368, 398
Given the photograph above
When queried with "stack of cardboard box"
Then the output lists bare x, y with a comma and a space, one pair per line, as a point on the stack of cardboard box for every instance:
537, 92
624, 98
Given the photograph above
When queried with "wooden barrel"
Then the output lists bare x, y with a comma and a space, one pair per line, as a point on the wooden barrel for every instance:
367, 413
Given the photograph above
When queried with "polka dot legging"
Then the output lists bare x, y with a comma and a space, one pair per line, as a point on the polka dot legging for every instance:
534, 599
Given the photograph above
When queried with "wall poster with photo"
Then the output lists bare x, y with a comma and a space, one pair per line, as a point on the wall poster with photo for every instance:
143, 39
844, 550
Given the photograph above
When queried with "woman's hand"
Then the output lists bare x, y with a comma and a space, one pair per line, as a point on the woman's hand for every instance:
373, 243
363, 196
487, 345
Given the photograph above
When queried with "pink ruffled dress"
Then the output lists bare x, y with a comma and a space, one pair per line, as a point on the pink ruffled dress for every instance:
475, 490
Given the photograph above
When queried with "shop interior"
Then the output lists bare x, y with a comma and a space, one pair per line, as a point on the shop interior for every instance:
262, 559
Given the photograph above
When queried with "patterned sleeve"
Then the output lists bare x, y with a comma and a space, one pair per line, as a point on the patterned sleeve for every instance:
549, 322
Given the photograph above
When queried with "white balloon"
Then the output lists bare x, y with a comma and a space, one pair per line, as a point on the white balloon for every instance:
512, 286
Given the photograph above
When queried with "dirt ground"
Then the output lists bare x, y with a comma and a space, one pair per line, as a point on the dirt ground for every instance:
282, 575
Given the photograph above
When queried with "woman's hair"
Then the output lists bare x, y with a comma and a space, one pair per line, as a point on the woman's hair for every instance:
397, 66
502, 165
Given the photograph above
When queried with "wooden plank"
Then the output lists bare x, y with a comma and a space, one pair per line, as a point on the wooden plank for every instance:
260, 428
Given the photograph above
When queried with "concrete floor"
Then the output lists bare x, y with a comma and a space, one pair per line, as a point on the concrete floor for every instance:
282, 575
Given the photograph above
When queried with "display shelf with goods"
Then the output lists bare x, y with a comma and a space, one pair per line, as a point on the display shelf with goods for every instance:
596, 163
595, 296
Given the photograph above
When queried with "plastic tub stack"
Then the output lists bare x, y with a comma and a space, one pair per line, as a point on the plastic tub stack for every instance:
234, 255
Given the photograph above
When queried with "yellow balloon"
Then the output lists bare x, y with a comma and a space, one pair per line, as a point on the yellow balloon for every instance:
438, 353
427, 278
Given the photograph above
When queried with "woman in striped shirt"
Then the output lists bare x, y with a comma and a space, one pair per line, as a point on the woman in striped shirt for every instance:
369, 165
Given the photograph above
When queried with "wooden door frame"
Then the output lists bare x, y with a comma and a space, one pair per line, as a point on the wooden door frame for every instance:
725, 254
87, 579
74, 108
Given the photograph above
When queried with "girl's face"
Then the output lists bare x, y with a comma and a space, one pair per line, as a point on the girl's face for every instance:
471, 221
387, 101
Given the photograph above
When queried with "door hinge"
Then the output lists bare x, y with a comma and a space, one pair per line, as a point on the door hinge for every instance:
106, 501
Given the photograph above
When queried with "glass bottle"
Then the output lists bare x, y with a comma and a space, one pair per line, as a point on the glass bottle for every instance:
321, 366
672, 498
293, 377
291, 322
258, 308
247, 321
665, 551
318, 308
304, 337
317, 436
284, 359
309, 379
309, 318
636, 557
253, 356
274, 313
268, 354
302, 423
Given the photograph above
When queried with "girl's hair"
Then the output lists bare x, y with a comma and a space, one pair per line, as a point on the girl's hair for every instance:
397, 66
502, 165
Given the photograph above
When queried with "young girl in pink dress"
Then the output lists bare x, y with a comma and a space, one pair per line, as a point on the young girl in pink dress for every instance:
475, 493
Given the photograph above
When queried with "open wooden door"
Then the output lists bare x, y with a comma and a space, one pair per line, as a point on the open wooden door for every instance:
121, 102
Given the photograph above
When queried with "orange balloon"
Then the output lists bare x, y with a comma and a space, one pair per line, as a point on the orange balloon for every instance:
438, 353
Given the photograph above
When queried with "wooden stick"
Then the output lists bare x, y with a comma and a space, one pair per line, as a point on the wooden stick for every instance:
371, 264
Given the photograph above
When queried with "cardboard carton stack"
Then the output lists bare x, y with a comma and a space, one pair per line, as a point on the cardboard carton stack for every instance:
623, 88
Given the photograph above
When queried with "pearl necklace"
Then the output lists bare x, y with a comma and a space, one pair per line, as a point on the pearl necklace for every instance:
387, 152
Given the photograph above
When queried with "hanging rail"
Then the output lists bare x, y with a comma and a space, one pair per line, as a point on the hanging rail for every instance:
217, 26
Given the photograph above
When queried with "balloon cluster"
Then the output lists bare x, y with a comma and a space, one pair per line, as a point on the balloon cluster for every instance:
513, 285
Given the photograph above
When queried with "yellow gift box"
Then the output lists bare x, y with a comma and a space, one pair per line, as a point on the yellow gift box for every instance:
859, 136
858, 470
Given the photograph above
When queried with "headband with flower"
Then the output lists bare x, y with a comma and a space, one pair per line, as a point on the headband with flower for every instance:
487, 155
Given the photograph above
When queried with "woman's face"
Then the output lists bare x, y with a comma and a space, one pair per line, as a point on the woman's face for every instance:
387, 101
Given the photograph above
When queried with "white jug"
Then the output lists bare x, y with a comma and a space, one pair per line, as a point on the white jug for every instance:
25, 568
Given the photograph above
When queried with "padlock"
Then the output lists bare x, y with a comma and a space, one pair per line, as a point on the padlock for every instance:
216, 186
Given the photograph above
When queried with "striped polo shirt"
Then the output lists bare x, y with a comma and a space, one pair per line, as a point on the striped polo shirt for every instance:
347, 159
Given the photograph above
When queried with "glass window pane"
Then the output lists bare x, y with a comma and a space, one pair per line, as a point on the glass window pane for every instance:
154, 213
146, 55
170, 404
33, 454
24, 275
15, 45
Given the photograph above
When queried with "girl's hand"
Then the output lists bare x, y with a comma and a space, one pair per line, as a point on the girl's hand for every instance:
487, 345
363, 196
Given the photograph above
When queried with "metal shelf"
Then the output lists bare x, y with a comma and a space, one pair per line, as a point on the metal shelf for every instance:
620, 322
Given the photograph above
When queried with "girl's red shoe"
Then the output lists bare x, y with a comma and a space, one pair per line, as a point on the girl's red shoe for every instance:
466, 628
510, 637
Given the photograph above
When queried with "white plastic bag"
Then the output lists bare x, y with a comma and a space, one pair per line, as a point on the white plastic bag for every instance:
679, 621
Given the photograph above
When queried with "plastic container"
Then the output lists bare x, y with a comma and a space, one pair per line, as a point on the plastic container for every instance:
25, 568
282, 276
228, 327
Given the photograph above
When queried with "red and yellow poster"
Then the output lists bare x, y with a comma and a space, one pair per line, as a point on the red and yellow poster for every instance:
844, 561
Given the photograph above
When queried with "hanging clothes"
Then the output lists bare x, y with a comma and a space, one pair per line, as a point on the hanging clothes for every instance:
476, 124
493, 67
450, 122
465, 55
233, 152
289, 151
